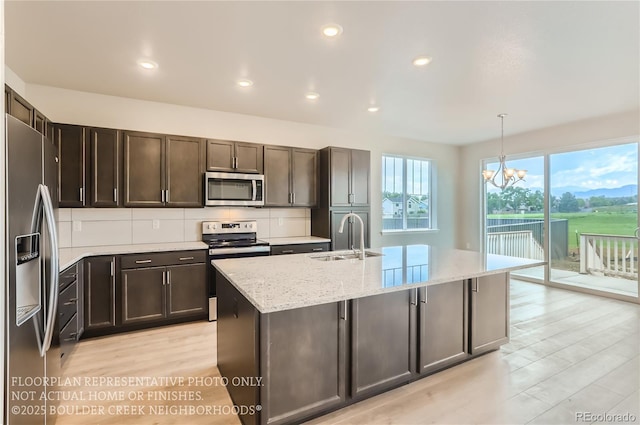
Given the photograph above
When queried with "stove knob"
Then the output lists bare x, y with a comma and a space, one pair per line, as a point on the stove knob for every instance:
250, 225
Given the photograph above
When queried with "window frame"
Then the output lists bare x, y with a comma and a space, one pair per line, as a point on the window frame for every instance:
431, 196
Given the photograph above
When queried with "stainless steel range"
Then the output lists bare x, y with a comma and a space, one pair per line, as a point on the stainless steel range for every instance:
230, 239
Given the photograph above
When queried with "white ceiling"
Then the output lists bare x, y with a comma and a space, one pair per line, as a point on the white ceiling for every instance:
543, 63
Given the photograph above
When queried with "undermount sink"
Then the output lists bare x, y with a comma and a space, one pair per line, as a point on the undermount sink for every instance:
333, 256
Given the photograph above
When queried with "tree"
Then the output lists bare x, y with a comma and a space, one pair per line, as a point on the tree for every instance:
568, 203
494, 202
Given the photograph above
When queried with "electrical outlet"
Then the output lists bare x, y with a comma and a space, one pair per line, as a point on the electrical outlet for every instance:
280, 221
468, 245
77, 226
156, 224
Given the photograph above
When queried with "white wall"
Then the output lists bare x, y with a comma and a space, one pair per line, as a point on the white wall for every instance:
75, 107
601, 131
3, 275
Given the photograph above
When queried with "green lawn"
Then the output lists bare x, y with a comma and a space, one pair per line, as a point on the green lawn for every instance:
607, 220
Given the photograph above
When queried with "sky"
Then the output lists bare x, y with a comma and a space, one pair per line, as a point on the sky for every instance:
608, 167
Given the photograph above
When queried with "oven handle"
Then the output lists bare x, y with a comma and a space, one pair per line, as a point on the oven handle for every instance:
255, 189
217, 252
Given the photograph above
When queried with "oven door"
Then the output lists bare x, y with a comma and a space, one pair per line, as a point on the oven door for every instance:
223, 253
231, 189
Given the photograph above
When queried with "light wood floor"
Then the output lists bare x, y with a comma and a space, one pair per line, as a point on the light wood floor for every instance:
569, 353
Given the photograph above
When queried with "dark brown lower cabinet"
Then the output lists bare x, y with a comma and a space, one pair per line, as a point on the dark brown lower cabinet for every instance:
143, 295
383, 341
156, 293
99, 293
443, 326
186, 290
489, 297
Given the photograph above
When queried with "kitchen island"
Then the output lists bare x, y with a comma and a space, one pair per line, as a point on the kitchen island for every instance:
302, 335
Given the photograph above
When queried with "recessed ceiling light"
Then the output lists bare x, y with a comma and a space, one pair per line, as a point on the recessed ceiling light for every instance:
332, 30
373, 108
147, 64
245, 83
312, 95
422, 61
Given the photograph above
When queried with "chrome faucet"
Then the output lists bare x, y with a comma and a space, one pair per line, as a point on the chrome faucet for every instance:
340, 230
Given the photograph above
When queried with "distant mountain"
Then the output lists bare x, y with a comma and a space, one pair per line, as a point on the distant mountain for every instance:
558, 191
616, 192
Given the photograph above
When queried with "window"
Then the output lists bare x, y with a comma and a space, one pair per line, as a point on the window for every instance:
406, 193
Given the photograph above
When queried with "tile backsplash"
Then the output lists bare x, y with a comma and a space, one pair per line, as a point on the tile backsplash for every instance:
123, 226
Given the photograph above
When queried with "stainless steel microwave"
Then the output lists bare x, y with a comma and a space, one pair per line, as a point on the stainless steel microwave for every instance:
233, 189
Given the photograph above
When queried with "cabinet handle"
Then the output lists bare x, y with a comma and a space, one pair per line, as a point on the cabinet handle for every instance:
142, 261
345, 311
426, 295
318, 249
72, 337
351, 198
293, 198
414, 297
164, 278
166, 196
81, 195
71, 301
475, 285
115, 195
288, 251
186, 258
162, 195
235, 162
113, 267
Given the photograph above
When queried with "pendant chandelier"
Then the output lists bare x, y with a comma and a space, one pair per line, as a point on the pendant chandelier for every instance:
508, 176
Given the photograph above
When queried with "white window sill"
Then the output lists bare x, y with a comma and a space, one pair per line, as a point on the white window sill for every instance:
401, 231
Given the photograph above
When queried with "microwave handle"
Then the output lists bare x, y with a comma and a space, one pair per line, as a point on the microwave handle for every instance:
255, 189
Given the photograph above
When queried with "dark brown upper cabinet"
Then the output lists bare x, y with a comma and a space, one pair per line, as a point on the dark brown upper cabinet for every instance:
72, 146
162, 170
290, 176
349, 172
237, 157
39, 122
184, 172
20, 108
106, 167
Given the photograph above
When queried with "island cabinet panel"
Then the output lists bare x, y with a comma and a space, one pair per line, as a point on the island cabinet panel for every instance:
72, 146
303, 362
238, 344
489, 302
106, 166
99, 293
143, 295
187, 290
442, 326
383, 341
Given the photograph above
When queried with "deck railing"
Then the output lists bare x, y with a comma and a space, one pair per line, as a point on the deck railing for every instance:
609, 255
515, 244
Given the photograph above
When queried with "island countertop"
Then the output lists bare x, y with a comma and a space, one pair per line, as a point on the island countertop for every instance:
286, 282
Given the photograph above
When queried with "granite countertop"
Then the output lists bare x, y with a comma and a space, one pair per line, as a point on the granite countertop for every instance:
295, 240
286, 282
69, 256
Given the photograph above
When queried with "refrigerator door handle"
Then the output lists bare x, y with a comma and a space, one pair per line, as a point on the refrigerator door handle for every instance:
44, 205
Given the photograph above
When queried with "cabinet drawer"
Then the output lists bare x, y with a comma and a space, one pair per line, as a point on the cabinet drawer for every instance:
68, 338
68, 276
299, 248
136, 261
67, 303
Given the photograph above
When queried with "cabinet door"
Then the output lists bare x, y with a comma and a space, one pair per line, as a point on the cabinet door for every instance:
489, 312
184, 172
39, 122
105, 165
355, 230
21, 109
340, 166
220, 154
277, 176
304, 172
383, 341
248, 158
319, 335
143, 295
360, 166
143, 170
72, 147
339, 240
99, 293
442, 324
187, 290
50, 133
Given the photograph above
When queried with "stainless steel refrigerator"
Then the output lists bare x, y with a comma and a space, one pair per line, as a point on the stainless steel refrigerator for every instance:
31, 285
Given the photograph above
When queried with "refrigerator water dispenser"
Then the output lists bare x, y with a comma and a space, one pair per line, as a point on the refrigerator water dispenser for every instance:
28, 277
